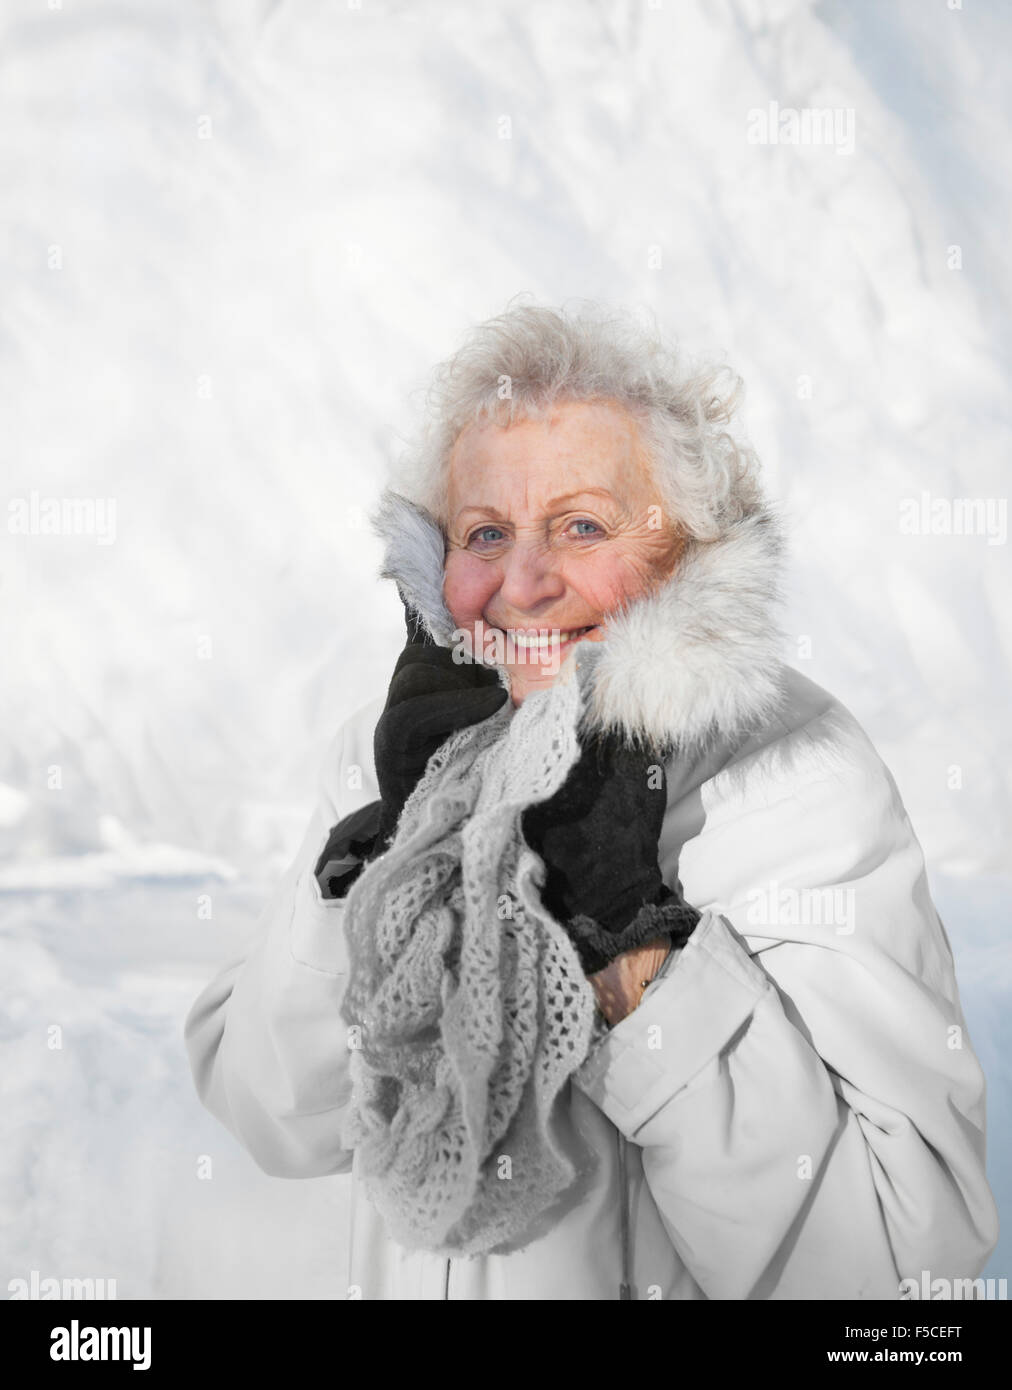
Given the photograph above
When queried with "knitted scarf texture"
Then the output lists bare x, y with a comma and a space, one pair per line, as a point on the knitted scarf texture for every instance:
468, 1001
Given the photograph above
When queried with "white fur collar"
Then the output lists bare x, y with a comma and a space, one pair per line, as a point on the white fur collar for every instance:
693, 663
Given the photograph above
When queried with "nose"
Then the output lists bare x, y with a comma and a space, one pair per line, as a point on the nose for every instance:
531, 577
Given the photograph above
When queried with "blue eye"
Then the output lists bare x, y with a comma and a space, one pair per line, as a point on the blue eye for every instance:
481, 532
583, 522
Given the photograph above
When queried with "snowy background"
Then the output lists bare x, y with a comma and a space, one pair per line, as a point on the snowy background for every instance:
236, 238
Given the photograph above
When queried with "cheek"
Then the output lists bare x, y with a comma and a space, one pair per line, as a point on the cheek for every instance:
607, 579
468, 584
601, 587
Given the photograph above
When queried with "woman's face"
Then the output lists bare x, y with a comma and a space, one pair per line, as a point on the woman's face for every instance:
550, 525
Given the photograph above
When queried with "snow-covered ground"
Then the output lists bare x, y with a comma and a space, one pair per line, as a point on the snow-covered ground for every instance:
237, 237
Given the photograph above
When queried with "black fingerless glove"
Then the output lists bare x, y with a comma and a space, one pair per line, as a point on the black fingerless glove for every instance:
598, 837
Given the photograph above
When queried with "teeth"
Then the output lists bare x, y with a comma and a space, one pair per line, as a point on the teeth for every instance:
547, 639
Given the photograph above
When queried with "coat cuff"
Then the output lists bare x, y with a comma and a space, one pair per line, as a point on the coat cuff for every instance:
685, 1018
597, 947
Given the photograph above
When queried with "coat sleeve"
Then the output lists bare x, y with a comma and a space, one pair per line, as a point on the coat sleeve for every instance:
801, 1082
266, 1043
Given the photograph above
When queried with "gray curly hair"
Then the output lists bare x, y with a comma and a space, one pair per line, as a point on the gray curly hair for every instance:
519, 364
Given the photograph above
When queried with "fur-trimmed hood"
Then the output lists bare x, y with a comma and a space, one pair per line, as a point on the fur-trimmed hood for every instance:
692, 663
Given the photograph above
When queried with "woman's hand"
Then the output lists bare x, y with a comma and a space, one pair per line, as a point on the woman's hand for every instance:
598, 836
431, 696
619, 986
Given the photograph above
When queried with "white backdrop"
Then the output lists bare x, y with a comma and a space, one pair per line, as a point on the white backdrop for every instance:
238, 235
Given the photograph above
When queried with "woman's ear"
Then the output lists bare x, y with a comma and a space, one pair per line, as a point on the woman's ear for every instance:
415, 557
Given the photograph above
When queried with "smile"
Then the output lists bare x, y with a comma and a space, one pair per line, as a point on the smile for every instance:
547, 637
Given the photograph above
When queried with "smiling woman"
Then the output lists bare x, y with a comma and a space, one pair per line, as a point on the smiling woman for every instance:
531, 981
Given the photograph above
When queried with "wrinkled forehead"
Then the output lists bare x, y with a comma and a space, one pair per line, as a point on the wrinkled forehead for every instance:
577, 448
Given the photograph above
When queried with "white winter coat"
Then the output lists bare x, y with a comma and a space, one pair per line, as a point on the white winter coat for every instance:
793, 1111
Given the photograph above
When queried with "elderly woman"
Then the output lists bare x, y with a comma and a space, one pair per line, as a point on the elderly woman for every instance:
607, 967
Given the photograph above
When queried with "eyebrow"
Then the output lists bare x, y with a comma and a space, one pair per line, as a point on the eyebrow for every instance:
552, 502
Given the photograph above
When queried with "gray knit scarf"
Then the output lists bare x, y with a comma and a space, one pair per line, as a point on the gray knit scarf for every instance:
468, 1001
